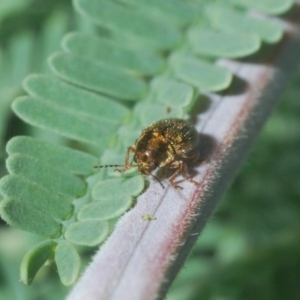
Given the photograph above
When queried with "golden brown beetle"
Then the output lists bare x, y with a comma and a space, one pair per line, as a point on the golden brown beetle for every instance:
169, 143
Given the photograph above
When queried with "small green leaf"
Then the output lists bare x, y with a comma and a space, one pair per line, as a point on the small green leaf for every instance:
97, 76
168, 98
172, 92
61, 157
87, 233
57, 180
174, 11
222, 44
267, 6
201, 74
230, 20
106, 209
109, 52
67, 262
22, 215
35, 259
133, 22
52, 204
119, 186
75, 99
129, 134
77, 126
112, 197
150, 112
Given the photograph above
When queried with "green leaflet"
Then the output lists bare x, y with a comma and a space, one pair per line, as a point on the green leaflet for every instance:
46, 201
230, 20
77, 126
67, 262
35, 259
97, 76
109, 52
88, 233
112, 197
151, 112
74, 99
201, 74
22, 215
167, 98
222, 44
267, 6
174, 11
70, 160
106, 208
132, 22
55, 179
171, 92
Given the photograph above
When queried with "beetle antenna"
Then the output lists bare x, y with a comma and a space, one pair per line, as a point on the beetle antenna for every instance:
156, 178
107, 166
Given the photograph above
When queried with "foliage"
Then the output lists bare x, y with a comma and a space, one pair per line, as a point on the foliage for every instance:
150, 60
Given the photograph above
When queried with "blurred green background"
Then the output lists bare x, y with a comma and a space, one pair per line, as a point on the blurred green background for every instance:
251, 246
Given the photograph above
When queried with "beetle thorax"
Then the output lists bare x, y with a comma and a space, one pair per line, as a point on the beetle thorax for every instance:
152, 151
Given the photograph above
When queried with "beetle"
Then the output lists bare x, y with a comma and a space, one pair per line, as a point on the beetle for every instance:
167, 143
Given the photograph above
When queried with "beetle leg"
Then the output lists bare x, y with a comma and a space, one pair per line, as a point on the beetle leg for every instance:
127, 164
182, 170
176, 165
185, 174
